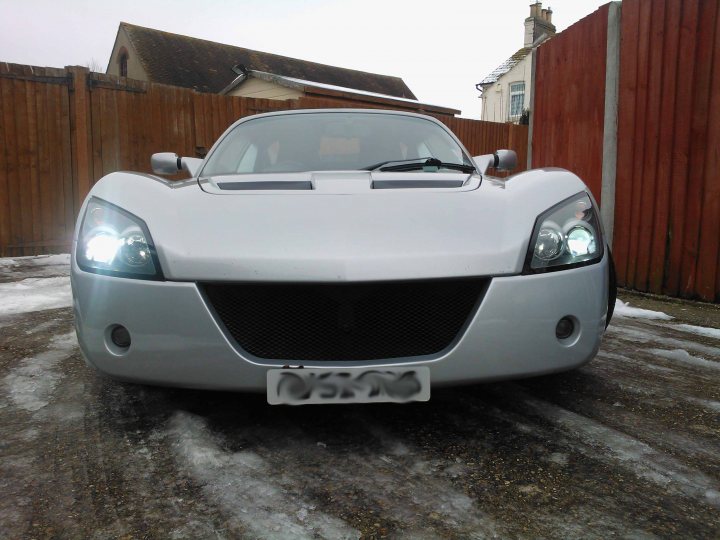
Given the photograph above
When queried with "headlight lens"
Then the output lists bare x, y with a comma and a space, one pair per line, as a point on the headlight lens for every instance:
567, 235
115, 242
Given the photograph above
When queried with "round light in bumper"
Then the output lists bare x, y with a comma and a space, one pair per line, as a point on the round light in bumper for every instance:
120, 337
565, 328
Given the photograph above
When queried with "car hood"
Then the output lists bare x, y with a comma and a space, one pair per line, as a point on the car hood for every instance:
336, 182
342, 231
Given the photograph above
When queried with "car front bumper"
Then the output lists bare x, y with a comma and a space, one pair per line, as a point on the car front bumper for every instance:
177, 341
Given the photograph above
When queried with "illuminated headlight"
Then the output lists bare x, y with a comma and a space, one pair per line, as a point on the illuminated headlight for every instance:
115, 242
566, 236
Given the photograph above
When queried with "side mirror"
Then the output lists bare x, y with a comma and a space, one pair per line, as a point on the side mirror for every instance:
165, 163
502, 160
505, 160
191, 165
170, 163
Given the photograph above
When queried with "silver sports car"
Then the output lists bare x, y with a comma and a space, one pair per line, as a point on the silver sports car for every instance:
339, 256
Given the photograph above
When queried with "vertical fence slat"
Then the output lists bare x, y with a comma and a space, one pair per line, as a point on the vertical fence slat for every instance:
66, 219
47, 191
660, 238
5, 222
681, 146
709, 224
651, 130
640, 141
698, 134
24, 187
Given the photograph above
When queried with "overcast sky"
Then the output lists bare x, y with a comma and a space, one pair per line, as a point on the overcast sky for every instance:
441, 49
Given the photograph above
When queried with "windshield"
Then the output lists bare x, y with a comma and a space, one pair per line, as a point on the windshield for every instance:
335, 141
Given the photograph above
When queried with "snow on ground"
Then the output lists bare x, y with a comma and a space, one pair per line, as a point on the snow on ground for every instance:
40, 260
699, 330
246, 487
650, 335
705, 403
633, 454
34, 294
681, 355
623, 309
16, 268
31, 382
406, 484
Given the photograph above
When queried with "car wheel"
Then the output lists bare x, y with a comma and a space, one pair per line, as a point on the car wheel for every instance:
612, 290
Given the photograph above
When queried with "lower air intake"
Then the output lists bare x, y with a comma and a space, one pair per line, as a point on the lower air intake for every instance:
347, 321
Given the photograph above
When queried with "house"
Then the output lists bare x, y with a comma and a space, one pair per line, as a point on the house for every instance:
162, 57
505, 92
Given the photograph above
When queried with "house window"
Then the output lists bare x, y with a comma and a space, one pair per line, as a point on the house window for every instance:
517, 100
123, 64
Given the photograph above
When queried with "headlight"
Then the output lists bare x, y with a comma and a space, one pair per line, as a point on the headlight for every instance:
115, 242
566, 236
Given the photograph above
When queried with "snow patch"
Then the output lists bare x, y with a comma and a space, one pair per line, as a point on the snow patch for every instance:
558, 458
40, 260
682, 355
699, 330
646, 335
411, 485
35, 294
637, 456
32, 381
623, 309
705, 403
246, 487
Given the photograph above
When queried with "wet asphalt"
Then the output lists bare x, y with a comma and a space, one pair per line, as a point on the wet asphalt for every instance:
627, 446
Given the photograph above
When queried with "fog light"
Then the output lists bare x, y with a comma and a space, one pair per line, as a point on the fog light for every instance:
565, 328
120, 336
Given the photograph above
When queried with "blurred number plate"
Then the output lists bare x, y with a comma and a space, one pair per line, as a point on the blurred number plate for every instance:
349, 385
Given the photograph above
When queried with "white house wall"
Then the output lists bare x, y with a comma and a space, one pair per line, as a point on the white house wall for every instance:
496, 98
257, 88
135, 69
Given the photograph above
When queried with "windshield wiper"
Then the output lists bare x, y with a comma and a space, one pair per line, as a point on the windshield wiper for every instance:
419, 163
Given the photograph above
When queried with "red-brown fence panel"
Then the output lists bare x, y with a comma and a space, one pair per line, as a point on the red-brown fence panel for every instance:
569, 93
36, 194
667, 221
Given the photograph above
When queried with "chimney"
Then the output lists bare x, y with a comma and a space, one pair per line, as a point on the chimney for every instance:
535, 9
538, 24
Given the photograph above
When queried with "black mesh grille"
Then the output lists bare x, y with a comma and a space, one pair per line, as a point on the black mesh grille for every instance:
349, 321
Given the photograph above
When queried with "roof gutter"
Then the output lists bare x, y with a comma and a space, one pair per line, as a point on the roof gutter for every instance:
242, 74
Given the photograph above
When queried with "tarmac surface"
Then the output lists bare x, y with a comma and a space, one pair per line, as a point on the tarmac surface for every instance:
627, 446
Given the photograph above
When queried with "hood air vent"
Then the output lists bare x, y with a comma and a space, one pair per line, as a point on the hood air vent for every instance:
416, 184
266, 185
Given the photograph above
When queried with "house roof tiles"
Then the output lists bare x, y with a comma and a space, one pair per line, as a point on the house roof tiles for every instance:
190, 62
506, 66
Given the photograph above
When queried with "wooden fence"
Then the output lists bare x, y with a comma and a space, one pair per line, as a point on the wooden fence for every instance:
668, 174
666, 226
63, 129
570, 100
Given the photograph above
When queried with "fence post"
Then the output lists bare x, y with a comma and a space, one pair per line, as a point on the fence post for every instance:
531, 123
612, 78
80, 138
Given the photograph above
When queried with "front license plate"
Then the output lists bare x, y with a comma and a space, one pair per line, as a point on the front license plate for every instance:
349, 385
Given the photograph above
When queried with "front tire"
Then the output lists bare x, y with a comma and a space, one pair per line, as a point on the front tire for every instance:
612, 289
